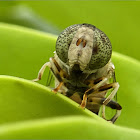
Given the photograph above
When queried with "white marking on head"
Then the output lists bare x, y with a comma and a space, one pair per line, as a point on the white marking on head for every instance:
79, 54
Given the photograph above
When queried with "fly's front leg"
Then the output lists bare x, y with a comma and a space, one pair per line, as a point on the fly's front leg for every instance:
58, 73
41, 71
99, 82
56, 70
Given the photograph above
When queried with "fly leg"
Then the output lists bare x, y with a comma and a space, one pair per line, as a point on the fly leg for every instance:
112, 104
115, 87
58, 73
56, 70
41, 71
100, 85
99, 82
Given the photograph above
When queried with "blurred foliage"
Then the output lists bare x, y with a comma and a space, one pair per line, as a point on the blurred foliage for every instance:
15, 13
24, 51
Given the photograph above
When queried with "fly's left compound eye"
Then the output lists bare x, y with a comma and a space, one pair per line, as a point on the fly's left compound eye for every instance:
64, 40
102, 50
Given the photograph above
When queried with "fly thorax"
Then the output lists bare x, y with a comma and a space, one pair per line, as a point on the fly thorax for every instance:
80, 50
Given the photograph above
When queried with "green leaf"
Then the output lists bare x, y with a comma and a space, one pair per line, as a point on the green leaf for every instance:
24, 51
22, 100
30, 110
71, 127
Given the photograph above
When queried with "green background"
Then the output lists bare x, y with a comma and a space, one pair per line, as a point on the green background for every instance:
30, 110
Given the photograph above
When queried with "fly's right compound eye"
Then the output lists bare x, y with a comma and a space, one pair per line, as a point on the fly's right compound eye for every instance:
102, 50
64, 40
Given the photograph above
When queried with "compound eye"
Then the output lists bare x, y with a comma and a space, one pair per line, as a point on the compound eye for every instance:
102, 50
64, 40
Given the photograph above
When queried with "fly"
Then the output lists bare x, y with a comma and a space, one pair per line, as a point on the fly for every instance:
83, 69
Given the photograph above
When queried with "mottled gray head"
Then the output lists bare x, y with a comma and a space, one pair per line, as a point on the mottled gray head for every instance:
85, 45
